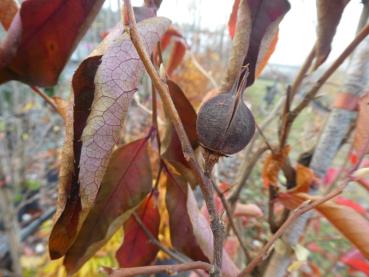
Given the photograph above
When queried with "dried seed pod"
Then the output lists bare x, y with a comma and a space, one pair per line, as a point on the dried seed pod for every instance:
224, 124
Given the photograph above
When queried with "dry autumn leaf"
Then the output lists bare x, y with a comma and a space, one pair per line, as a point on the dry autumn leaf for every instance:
36, 48
329, 16
272, 165
257, 37
347, 220
8, 9
94, 109
190, 231
126, 183
116, 81
137, 249
178, 51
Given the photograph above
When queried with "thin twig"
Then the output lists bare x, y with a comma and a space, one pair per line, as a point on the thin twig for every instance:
157, 243
233, 226
147, 270
246, 171
188, 152
203, 70
328, 73
302, 73
296, 213
47, 99
179, 257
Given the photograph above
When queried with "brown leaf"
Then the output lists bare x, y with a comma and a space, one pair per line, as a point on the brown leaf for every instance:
8, 9
69, 202
257, 26
37, 47
137, 249
126, 182
348, 222
181, 230
362, 131
116, 81
265, 16
329, 16
189, 230
172, 149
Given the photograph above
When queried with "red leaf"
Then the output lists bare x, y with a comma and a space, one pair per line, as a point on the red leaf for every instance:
233, 18
356, 261
168, 35
41, 38
126, 182
330, 176
137, 250
176, 56
179, 49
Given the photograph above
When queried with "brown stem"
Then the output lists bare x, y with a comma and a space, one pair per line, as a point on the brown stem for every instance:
157, 243
47, 99
246, 171
170, 252
302, 73
155, 116
205, 184
147, 270
296, 213
364, 15
229, 213
328, 73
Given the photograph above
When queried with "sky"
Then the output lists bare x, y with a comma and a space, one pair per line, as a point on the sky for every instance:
297, 30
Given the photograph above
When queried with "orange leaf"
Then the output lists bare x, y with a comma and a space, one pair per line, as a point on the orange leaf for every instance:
348, 221
176, 56
305, 177
137, 250
233, 19
266, 56
272, 165
8, 9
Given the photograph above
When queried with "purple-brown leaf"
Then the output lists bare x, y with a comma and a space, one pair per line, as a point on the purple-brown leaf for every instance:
116, 81
329, 16
126, 182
